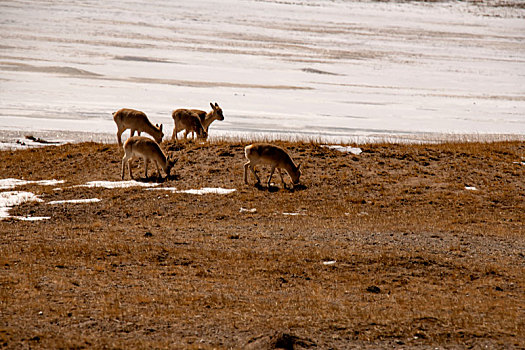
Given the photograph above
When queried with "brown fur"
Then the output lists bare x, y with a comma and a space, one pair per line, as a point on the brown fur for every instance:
127, 118
208, 118
185, 119
211, 116
276, 157
147, 149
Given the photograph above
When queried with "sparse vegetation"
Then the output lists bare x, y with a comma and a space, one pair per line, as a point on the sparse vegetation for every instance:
387, 248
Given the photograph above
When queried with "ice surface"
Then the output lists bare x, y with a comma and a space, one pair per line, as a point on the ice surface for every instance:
340, 71
9, 143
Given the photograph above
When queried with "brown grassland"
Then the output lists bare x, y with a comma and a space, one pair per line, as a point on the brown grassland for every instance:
420, 261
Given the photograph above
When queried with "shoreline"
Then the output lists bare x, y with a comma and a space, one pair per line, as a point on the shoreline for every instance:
17, 139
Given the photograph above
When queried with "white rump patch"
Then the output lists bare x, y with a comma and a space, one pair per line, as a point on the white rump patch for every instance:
118, 184
12, 183
347, 149
76, 201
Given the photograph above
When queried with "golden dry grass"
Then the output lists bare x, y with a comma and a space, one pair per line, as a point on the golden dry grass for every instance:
419, 260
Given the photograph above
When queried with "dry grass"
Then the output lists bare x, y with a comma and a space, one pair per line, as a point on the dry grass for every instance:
419, 260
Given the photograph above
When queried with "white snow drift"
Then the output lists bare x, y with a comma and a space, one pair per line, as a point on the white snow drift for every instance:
11, 198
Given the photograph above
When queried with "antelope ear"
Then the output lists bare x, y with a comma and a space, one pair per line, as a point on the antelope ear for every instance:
212, 106
216, 105
160, 127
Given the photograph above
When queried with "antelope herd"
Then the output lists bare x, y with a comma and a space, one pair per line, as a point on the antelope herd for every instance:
197, 123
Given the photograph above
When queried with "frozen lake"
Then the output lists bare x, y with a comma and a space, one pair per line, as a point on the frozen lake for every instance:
322, 69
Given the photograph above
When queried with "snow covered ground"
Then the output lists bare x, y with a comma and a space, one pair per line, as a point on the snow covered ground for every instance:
332, 70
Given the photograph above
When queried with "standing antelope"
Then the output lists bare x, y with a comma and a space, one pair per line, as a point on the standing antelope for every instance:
276, 157
127, 118
211, 116
186, 120
140, 146
207, 118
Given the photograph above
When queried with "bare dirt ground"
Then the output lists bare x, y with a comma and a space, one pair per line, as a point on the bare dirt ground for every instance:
384, 249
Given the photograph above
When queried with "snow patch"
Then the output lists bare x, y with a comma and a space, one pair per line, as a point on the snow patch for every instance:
245, 210
117, 184
209, 190
345, 149
75, 201
31, 218
471, 188
172, 189
12, 198
202, 191
12, 183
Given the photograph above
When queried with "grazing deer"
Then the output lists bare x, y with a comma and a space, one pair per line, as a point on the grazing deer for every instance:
276, 157
127, 118
140, 146
186, 120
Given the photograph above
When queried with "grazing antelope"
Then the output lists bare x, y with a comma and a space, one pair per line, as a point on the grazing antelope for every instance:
127, 118
186, 120
146, 148
276, 157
